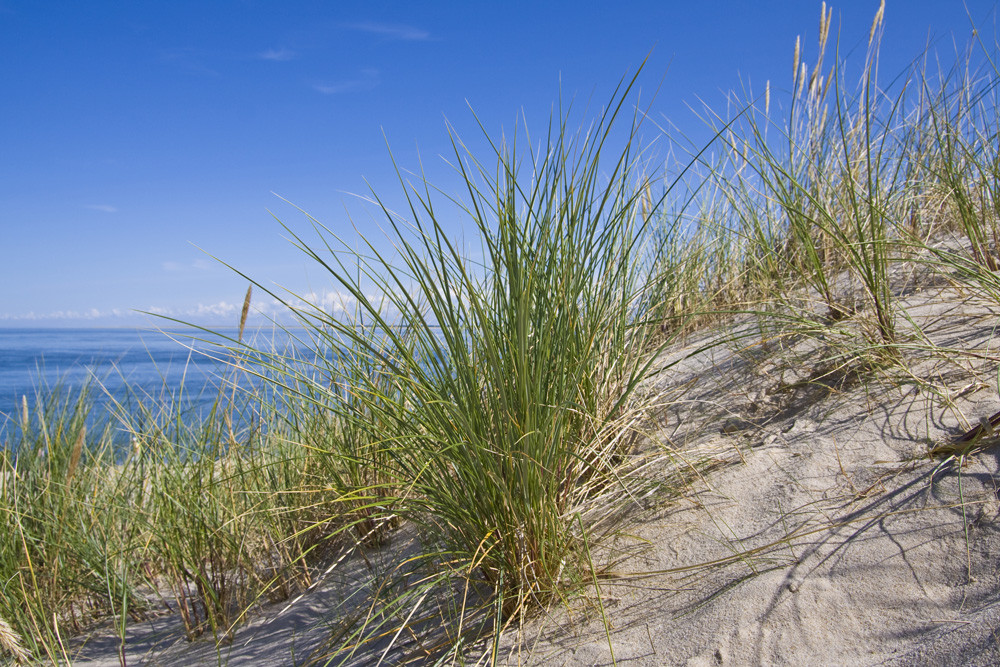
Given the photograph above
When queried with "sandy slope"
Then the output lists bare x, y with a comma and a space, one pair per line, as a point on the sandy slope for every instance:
892, 558
836, 540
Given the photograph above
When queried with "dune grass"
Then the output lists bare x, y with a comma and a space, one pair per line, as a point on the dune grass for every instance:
199, 518
492, 397
823, 204
487, 401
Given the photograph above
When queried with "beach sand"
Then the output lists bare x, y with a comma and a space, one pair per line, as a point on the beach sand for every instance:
821, 534
838, 540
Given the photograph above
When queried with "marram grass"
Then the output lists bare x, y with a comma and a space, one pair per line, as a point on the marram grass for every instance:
484, 400
491, 399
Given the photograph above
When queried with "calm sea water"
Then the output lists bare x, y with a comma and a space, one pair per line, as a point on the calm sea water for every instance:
116, 363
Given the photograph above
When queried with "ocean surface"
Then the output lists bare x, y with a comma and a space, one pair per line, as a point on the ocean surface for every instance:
116, 365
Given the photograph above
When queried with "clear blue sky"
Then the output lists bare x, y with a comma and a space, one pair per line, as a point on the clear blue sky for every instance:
135, 137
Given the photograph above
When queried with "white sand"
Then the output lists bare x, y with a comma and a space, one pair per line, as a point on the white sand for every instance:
897, 557
893, 558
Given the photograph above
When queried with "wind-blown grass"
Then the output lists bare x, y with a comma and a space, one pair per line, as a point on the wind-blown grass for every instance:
60, 560
484, 403
202, 518
492, 399
811, 216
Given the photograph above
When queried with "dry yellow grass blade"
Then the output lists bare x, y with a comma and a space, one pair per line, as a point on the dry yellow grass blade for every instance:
74, 459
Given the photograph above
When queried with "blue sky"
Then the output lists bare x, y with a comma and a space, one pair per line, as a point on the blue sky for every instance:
140, 139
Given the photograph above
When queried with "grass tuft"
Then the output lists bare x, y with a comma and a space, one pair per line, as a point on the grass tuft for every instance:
466, 426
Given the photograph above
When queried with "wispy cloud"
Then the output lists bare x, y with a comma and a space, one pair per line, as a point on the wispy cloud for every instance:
103, 208
220, 309
90, 314
15, 317
368, 80
190, 59
331, 302
395, 31
277, 55
339, 305
197, 265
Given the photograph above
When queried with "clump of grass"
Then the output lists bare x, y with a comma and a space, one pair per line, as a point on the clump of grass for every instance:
815, 220
231, 511
829, 228
958, 171
61, 563
491, 401
204, 515
803, 220
488, 399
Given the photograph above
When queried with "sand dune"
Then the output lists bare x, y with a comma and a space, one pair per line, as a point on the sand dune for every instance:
821, 533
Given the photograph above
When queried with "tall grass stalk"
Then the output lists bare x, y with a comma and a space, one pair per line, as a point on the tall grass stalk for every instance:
486, 400
492, 399
804, 213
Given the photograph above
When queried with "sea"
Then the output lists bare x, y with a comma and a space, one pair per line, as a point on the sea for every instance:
118, 367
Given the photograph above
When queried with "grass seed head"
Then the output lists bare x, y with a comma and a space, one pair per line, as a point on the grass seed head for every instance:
10, 642
246, 310
876, 23
795, 61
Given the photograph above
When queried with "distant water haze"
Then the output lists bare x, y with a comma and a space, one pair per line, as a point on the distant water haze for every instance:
119, 365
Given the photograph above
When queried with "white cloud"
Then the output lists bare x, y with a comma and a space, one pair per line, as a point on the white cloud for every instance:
277, 55
197, 265
336, 88
220, 309
369, 79
391, 30
190, 59
32, 316
7, 317
335, 304
329, 303
332, 302
103, 208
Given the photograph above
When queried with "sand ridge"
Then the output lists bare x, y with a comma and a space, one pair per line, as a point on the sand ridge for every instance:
820, 533
839, 541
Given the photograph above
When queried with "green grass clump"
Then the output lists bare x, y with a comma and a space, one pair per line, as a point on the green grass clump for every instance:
63, 562
195, 515
491, 399
482, 401
823, 203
